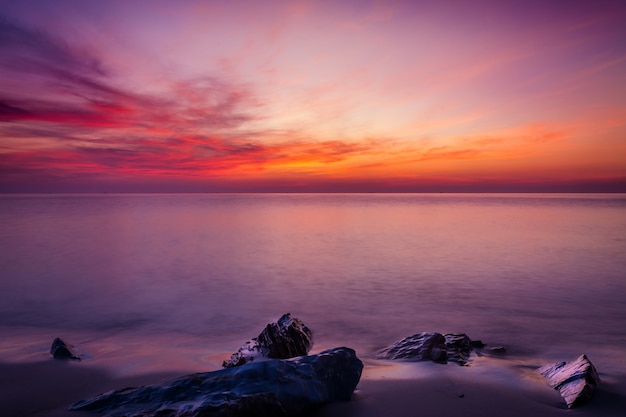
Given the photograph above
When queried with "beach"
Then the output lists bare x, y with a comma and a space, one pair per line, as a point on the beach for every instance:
48, 388
36, 385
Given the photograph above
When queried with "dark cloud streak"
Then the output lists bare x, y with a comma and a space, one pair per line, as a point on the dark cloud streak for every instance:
64, 85
29, 50
65, 96
196, 128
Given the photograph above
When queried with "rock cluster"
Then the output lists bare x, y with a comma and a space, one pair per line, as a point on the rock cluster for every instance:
576, 380
436, 347
287, 382
287, 338
262, 388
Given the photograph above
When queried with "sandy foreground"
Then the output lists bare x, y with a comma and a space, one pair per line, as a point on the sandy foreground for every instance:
489, 387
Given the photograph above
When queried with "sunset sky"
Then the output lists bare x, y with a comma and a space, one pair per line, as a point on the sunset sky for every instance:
194, 96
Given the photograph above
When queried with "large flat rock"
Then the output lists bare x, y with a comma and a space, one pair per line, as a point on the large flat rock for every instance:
267, 388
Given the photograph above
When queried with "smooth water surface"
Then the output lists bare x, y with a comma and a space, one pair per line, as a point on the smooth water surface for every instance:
533, 271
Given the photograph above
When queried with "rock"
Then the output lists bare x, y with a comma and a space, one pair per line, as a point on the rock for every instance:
575, 380
62, 350
478, 344
419, 347
287, 338
455, 347
458, 347
265, 388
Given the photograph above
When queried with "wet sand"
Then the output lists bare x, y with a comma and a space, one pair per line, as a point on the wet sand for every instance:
47, 388
486, 388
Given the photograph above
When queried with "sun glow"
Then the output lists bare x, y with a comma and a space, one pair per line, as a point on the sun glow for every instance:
315, 96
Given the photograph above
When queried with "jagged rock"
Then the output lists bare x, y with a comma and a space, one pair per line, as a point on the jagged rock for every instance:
266, 388
575, 380
419, 347
287, 338
62, 350
454, 347
458, 347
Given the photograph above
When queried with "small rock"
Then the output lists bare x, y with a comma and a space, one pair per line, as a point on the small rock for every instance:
62, 350
287, 338
273, 387
498, 350
575, 380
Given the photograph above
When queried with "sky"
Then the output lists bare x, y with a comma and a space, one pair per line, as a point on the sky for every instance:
312, 96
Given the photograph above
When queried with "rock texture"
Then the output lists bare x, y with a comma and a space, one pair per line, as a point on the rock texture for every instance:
264, 388
287, 338
455, 347
419, 347
459, 346
575, 380
62, 350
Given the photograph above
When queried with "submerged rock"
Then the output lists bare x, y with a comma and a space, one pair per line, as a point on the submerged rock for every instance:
287, 338
266, 388
62, 350
576, 380
455, 347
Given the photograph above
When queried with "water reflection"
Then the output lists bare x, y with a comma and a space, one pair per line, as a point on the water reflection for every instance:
367, 268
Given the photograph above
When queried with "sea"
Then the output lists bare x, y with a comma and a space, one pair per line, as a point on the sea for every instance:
139, 282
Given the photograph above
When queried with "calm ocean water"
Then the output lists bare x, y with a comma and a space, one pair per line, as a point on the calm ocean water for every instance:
542, 274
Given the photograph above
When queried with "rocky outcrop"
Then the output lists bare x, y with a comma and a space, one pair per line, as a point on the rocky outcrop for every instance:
459, 346
263, 388
287, 338
62, 350
419, 347
455, 347
576, 380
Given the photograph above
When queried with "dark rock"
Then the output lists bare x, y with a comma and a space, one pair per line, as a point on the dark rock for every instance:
287, 338
62, 350
477, 344
266, 388
458, 347
575, 380
419, 347
455, 347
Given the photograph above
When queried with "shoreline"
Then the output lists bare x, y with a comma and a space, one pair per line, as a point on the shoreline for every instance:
487, 387
33, 384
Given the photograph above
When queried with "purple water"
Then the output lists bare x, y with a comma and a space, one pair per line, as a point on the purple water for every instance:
541, 274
